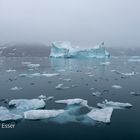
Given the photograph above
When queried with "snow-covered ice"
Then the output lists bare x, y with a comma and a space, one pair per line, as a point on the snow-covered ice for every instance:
42, 114
6, 115
101, 115
27, 104
115, 105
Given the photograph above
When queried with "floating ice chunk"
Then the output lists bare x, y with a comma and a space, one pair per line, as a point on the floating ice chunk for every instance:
61, 86
115, 105
34, 75
49, 98
105, 63
134, 93
11, 70
42, 97
16, 88
50, 74
75, 101
6, 115
101, 115
66, 50
116, 86
33, 65
27, 104
42, 114
124, 74
97, 94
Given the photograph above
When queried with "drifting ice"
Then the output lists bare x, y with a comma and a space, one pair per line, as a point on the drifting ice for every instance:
42, 114
101, 115
115, 105
25, 104
6, 115
66, 50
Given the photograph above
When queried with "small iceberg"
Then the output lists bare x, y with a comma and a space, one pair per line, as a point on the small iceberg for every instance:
115, 105
6, 115
42, 114
101, 115
66, 50
27, 104
16, 88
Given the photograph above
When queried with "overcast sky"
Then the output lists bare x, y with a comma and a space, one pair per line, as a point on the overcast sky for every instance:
83, 22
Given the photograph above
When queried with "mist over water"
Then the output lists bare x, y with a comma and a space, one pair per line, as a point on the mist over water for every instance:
84, 23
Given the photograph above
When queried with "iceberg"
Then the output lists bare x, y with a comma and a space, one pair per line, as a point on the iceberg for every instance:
42, 114
66, 50
27, 104
6, 115
115, 105
101, 115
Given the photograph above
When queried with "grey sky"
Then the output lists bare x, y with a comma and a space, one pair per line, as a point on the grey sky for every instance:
83, 22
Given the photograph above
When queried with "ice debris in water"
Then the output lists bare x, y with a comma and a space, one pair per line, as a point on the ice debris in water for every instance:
42, 114
16, 88
101, 115
61, 86
6, 115
39, 75
116, 86
76, 101
66, 50
123, 74
30, 65
105, 63
115, 105
97, 94
11, 70
134, 93
42, 97
27, 104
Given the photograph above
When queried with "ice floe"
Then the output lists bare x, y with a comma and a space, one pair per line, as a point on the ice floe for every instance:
61, 86
6, 115
27, 104
76, 101
134, 93
42, 114
115, 105
101, 115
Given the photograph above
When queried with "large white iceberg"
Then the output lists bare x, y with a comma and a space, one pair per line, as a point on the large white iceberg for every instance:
66, 50
115, 105
6, 115
27, 104
101, 115
42, 114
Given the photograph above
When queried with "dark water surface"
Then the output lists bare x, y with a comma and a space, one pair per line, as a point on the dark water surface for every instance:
125, 124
